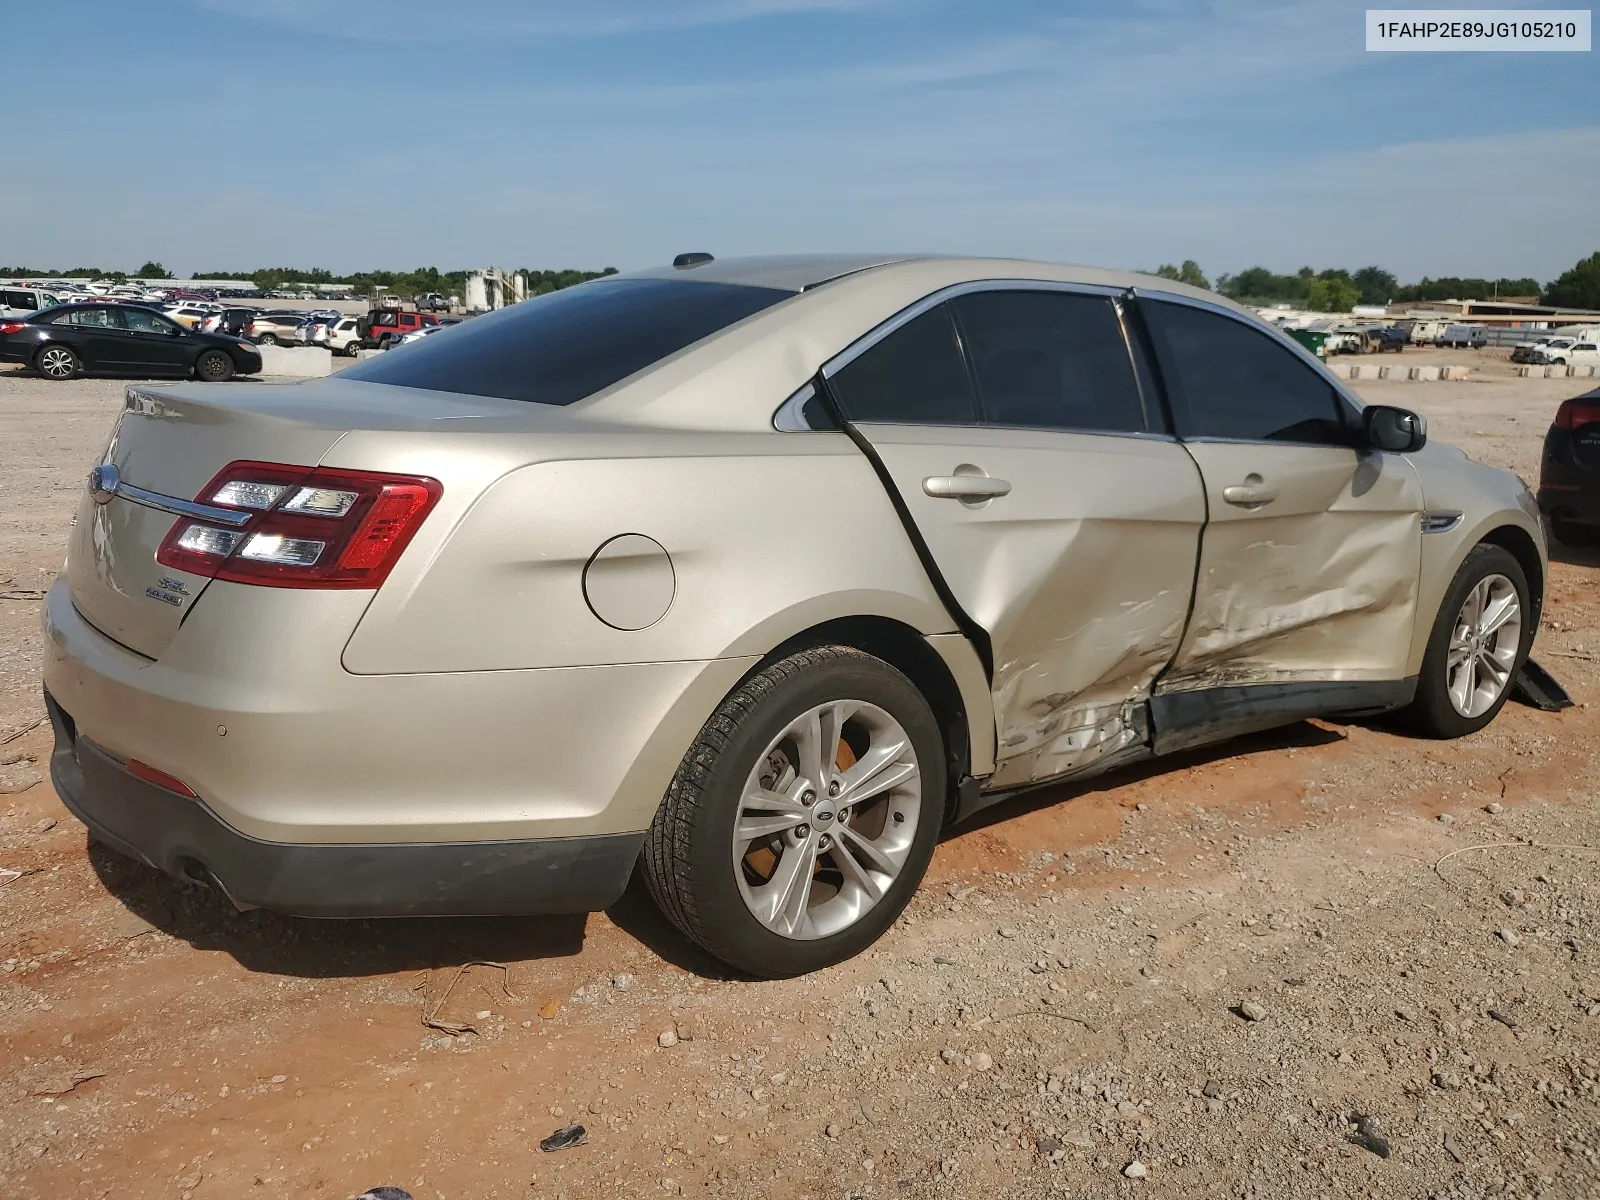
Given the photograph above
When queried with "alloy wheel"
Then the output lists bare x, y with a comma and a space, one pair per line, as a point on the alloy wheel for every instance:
827, 819
1484, 646
57, 363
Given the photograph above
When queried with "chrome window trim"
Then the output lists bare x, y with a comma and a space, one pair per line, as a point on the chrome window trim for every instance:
182, 508
1256, 323
1051, 430
790, 409
1232, 441
914, 310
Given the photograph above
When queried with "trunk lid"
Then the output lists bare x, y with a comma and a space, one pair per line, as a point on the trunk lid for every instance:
173, 441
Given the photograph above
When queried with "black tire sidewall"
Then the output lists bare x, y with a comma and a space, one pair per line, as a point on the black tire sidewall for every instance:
226, 373
77, 362
728, 928
1432, 711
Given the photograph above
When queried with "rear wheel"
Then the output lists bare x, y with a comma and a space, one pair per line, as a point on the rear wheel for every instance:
803, 817
1478, 643
267, 339
214, 366
58, 362
1572, 534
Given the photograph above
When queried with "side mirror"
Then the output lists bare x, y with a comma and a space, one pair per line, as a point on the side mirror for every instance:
1397, 430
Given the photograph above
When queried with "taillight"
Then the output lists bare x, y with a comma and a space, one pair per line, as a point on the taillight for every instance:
309, 529
1574, 413
12, 326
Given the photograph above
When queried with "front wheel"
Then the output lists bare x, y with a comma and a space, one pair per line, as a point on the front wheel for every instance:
1479, 640
214, 366
803, 817
58, 362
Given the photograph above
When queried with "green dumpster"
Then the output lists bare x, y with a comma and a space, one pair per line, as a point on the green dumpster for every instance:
1313, 340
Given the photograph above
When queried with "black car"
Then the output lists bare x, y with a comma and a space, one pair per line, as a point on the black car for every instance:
121, 339
1569, 477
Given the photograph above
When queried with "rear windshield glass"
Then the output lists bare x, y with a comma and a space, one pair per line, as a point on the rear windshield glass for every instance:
559, 348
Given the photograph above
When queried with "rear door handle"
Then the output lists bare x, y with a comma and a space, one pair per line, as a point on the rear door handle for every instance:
965, 487
1252, 493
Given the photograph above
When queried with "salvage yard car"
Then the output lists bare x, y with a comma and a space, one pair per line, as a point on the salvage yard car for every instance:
121, 339
1569, 474
755, 575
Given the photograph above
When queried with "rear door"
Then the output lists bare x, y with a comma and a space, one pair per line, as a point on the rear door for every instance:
100, 338
1062, 519
1309, 564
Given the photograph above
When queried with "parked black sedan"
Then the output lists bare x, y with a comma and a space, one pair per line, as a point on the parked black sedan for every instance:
1569, 477
121, 339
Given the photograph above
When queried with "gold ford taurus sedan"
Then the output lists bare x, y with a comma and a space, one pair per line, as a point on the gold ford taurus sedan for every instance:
754, 575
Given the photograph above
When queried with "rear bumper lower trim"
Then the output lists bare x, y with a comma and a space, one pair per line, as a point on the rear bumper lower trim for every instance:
185, 839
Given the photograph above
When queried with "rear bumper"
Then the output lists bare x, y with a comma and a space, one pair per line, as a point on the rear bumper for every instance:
180, 836
250, 707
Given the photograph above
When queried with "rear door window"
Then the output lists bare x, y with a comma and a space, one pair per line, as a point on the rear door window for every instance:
914, 376
99, 316
1232, 382
1050, 360
562, 347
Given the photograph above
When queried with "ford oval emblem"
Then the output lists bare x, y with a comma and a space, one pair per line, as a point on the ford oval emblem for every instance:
103, 482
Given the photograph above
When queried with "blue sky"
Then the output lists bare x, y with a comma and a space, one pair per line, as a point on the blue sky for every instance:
353, 134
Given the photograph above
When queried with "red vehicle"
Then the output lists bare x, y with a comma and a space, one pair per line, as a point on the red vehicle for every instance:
384, 324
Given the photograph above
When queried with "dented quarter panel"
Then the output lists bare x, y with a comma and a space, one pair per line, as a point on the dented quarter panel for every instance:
1080, 576
1319, 584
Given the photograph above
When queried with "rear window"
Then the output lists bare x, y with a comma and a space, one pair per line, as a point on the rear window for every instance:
561, 347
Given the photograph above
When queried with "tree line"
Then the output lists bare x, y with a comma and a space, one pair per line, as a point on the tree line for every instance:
1339, 289
404, 283
1330, 290
277, 279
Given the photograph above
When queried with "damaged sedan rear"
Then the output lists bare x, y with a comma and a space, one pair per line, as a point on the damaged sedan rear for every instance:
752, 576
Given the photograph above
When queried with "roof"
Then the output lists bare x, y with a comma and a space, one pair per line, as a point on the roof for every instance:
799, 272
791, 272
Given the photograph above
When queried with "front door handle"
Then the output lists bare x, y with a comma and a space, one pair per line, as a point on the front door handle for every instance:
965, 487
1252, 493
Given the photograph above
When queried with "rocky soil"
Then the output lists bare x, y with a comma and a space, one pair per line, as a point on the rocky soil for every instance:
1328, 961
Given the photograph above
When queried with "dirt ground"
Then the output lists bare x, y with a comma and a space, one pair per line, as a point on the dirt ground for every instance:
1070, 994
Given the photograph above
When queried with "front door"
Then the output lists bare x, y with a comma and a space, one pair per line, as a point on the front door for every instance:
1309, 564
158, 345
1015, 430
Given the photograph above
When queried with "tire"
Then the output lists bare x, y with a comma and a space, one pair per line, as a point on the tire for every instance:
692, 861
214, 366
1435, 712
58, 362
267, 339
1570, 533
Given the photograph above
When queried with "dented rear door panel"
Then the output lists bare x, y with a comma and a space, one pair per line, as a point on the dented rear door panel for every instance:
1318, 583
1080, 575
